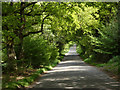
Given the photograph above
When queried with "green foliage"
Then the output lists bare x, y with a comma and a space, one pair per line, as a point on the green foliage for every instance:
115, 59
79, 50
107, 41
66, 48
37, 34
39, 52
71, 43
113, 65
100, 65
89, 59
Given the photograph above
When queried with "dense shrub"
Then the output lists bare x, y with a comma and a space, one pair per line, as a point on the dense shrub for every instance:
39, 52
113, 65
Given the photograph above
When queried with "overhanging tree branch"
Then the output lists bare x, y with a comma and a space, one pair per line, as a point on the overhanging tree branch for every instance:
31, 9
41, 30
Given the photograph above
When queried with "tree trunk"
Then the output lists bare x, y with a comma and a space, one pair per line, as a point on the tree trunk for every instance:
20, 47
11, 56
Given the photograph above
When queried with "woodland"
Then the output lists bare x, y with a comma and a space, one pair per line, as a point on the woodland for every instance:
36, 36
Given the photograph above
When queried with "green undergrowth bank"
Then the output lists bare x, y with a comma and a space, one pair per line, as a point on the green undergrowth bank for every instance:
111, 66
26, 81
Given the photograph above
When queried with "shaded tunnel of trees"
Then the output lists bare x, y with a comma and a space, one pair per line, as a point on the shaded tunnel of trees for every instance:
34, 34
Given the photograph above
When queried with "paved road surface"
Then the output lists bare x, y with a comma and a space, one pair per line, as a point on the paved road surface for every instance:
73, 73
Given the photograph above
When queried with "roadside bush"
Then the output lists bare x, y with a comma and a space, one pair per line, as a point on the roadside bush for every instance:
39, 52
113, 65
54, 53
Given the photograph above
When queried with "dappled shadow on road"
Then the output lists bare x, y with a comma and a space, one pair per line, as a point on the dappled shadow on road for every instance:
71, 57
75, 74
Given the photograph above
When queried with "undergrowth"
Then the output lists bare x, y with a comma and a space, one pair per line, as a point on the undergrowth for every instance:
27, 80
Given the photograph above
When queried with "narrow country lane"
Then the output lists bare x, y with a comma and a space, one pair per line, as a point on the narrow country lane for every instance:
73, 73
